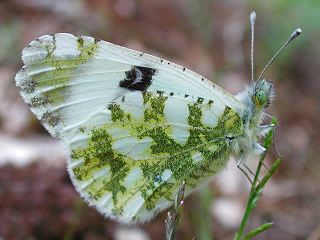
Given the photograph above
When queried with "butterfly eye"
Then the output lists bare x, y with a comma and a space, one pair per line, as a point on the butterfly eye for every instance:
260, 99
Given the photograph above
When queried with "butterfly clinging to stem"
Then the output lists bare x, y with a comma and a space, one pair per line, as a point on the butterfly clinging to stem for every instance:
136, 126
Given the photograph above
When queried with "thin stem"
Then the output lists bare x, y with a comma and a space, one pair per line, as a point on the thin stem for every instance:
251, 202
173, 216
257, 187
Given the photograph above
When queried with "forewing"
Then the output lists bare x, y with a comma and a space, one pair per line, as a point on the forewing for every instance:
135, 126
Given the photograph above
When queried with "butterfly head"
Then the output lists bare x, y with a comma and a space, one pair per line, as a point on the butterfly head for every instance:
262, 94
256, 97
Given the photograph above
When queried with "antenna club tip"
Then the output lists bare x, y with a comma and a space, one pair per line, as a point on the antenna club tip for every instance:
253, 16
295, 34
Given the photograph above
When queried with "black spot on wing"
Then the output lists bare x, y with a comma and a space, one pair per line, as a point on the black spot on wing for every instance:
80, 41
200, 100
138, 78
160, 93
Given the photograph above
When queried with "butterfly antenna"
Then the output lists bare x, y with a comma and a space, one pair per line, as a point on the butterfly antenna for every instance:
295, 34
253, 17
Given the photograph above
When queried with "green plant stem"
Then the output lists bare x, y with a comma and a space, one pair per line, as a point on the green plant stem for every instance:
255, 194
257, 230
250, 202
256, 189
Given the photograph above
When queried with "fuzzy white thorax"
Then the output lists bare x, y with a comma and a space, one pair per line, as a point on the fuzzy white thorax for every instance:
255, 97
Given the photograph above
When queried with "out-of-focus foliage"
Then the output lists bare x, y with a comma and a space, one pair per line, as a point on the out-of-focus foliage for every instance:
9, 41
37, 200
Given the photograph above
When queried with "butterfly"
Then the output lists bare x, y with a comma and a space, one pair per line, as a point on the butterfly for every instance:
136, 126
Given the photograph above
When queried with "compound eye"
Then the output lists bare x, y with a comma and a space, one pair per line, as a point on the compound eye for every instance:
261, 99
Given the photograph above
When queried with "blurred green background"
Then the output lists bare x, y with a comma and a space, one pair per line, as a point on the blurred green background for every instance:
37, 200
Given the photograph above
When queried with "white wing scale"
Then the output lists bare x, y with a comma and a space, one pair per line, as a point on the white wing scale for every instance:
70, 82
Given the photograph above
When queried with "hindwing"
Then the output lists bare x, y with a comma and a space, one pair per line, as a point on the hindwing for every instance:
135, 126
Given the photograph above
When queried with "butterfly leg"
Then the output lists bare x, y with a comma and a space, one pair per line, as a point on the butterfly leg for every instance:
245, 173
264, 129
265, 166
241, 163
248, 169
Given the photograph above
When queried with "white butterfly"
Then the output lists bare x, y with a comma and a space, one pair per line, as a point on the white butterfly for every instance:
135, 126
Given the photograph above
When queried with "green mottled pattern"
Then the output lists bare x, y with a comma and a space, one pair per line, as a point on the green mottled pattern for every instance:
127, 150
51, 62
164, 153
60, 70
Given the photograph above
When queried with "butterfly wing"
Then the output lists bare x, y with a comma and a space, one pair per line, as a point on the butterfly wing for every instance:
135, 126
